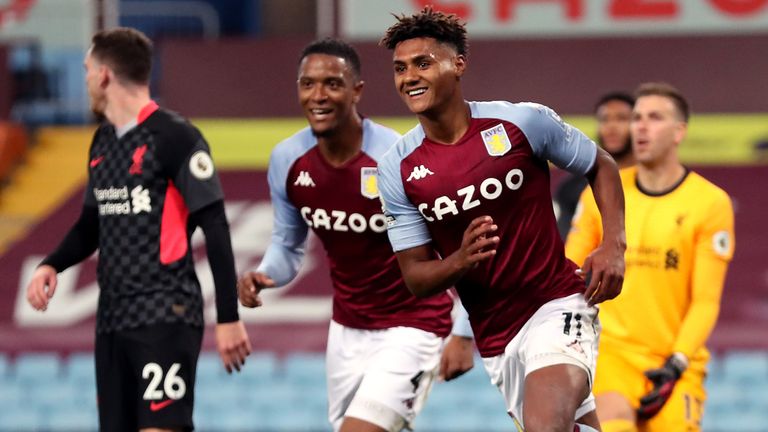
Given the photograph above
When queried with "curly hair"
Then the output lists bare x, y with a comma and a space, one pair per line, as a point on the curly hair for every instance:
428, 23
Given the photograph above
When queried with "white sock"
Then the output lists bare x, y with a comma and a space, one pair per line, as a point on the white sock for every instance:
585, 428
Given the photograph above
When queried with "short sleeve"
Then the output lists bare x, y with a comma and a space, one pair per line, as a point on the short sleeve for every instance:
406, 227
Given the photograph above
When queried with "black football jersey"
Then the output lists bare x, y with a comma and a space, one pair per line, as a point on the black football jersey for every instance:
144, 185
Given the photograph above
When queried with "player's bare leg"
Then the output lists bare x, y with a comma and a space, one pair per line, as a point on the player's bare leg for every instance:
551, 397
352, 424
615, 413
590, 419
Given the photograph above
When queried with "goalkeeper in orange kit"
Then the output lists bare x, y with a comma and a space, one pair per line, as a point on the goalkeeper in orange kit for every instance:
652, 361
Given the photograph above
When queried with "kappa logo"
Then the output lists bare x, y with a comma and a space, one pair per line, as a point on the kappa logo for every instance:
419, 172
304, 179
496, 140
369, 186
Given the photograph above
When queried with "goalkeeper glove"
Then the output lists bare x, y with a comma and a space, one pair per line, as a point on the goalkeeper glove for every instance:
663, 379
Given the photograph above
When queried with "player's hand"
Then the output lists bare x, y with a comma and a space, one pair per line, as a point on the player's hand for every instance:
604, 273
663, 379
41, 287
457, 358
233, 344
250, 285
477, 244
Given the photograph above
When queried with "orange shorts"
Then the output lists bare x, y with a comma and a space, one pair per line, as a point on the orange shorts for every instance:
621, 371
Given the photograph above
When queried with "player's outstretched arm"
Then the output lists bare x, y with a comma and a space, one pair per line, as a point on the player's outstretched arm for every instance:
250, 285
425, 275
41, 287
605, 265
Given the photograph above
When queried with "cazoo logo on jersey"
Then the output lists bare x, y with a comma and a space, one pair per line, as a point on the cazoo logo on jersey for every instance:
342, 221
118, 201
490, 189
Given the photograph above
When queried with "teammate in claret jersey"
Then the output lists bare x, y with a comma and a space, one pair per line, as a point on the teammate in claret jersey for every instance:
480, 168
680, 239
384, 344
151, 183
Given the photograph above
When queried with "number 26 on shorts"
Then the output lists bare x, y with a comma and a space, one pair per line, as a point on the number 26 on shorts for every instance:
173, 385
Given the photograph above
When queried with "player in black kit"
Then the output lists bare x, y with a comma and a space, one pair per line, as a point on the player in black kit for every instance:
151, 183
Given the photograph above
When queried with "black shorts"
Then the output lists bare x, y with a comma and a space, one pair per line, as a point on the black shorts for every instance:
145, 377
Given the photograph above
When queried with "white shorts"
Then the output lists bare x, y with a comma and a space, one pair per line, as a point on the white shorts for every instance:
562, 331
380, 376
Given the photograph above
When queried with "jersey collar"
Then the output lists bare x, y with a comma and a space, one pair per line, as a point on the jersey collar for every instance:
664, 192
147, 111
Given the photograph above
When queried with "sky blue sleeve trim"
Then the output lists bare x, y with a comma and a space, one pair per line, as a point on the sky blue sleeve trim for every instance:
281, 264
461, 326
406, 227
283, 258
549, 136
377, 139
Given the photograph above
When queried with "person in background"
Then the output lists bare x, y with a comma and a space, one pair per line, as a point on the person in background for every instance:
680, 239
613, 112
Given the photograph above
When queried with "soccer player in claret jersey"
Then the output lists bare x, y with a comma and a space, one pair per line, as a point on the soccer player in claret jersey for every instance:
151, 182
652, 363
480, 168
384, 344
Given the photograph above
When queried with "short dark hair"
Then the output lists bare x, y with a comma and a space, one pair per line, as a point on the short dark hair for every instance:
668, 91
336, 48
127, 51
615, 96
428, 23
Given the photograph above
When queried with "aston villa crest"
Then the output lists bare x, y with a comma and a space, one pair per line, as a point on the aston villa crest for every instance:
496, 140
369, 186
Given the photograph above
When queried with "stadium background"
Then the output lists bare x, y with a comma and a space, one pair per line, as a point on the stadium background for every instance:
230, 66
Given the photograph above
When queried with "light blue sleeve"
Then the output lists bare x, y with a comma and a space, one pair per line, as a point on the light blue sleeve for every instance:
406, 227
377, 139
286, 250
550, 137
461, 326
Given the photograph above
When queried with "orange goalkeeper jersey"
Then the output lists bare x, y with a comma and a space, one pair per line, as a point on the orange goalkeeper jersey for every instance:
679, 244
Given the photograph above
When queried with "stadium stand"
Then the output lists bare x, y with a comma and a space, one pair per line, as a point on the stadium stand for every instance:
13, 146
282, 394
246, 108
52, 170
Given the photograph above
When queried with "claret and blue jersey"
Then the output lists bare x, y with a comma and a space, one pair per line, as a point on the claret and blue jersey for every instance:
432, 191
342, 206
